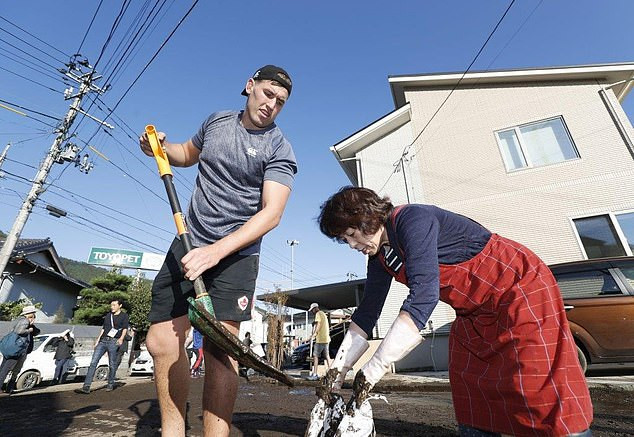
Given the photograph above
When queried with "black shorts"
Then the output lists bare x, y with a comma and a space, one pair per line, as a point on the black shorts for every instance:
230, 284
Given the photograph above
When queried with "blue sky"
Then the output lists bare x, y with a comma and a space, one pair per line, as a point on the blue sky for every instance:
339, 55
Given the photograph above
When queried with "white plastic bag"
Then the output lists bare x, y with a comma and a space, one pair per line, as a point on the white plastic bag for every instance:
323, 418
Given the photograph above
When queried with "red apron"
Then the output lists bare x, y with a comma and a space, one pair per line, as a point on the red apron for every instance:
513, 364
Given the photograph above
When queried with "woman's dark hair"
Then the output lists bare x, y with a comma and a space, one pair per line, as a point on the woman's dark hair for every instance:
352, 207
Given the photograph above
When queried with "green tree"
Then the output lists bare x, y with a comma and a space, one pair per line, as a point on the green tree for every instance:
139, 304
11, 310
95, 301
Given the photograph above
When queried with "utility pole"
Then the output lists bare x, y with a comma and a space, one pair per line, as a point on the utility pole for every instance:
4, 155
293, 243
54, 154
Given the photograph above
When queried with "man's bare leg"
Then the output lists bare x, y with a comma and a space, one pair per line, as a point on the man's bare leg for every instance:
315, 364
221, 387
166, 343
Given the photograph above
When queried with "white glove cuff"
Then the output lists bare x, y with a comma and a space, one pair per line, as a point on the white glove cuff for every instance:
399, 341
351, 349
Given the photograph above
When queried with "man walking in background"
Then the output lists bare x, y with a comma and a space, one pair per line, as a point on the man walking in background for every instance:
111, 336
321, 336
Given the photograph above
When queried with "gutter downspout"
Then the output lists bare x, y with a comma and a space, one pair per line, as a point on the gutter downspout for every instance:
617, 121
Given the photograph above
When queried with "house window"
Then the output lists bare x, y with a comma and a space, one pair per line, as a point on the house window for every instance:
606, 235
536, 144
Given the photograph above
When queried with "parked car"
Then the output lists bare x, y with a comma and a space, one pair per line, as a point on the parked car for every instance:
39, 365
599, 301
143, 364
301, 354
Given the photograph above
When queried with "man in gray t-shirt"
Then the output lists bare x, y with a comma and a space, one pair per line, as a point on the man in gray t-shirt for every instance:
246, 170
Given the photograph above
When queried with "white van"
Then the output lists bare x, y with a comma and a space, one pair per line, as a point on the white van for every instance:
39, 365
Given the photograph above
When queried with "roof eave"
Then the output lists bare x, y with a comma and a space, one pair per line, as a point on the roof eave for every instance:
347, 149
604, 73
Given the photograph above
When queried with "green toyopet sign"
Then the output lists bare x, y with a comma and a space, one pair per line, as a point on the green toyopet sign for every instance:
115, 257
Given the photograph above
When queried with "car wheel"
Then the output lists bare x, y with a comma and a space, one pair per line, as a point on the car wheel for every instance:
102, 373
583, 360
27, 380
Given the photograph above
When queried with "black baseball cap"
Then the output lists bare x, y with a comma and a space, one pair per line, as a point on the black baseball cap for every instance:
271, 72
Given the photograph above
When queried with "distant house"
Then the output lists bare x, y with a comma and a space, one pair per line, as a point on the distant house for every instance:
36, 273
544, 156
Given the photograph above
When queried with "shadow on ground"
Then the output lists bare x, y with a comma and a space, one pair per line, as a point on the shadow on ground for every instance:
37, 414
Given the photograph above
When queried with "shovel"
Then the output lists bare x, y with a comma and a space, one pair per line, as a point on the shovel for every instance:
201, 311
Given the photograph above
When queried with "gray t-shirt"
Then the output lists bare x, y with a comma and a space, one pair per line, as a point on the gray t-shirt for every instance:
233, 165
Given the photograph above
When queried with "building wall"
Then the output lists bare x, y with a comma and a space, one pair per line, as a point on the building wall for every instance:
462, 168
40, 288
378, 174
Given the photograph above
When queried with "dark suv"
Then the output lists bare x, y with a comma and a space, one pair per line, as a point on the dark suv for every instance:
599, 301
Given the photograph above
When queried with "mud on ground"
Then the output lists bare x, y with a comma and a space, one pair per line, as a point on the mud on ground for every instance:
262, 409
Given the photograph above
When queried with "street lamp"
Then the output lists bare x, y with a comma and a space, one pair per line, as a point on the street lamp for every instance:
293, 243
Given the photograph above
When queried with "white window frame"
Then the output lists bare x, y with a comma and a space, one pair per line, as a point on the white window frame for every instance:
523, 147
617, 227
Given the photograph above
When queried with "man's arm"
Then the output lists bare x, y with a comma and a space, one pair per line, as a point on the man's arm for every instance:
316, 329
124, 331
274, 198
179, 154
99, 336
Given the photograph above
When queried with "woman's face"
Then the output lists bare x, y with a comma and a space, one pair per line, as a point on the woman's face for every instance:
368, 244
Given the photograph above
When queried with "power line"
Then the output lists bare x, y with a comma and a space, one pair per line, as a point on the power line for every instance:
177, 176
113, 28
89, 27
122, 171
31, 65
138, 44
406, 148
27, 115
28, 54
135, 24
87, 208
155, 55
108, 207
30, 34
21, 163
30, 110
138, 77
114, 232
32, 46
30, 80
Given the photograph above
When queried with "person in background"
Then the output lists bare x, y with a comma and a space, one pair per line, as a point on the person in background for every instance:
247, 340
111, 336
321, 336
24, 326
64, 351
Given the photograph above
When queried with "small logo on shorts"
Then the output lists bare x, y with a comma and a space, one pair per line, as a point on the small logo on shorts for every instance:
243, 302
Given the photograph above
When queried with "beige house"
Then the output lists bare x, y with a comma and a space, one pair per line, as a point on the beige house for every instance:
543, 156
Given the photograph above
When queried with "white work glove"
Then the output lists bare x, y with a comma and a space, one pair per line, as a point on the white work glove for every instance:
354, 344
399, 341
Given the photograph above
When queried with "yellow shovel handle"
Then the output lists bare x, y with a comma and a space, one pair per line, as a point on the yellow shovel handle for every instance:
159, 151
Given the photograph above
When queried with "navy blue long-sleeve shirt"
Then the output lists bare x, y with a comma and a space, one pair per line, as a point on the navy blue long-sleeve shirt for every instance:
420, 238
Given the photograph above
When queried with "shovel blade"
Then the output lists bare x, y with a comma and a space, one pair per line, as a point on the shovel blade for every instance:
206, 323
